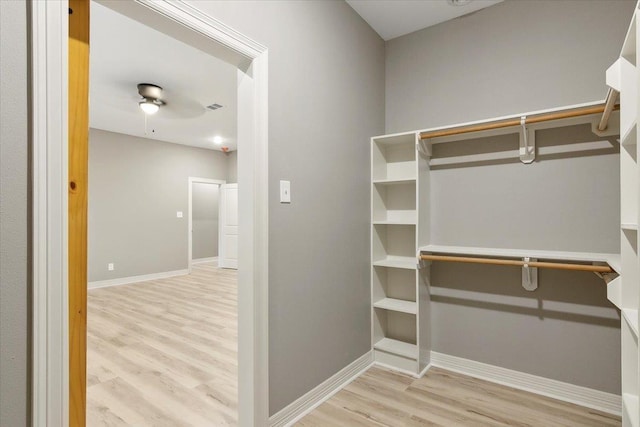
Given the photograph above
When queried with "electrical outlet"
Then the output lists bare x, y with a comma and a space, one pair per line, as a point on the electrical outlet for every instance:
110, 266
179, 214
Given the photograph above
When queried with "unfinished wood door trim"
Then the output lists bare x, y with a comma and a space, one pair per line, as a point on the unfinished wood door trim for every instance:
50, 211
78, 190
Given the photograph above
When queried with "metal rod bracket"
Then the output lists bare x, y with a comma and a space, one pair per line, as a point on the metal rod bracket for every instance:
529, 275
527, 142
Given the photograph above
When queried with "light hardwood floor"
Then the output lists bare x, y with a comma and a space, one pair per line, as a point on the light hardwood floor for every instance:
381, 397
164, 352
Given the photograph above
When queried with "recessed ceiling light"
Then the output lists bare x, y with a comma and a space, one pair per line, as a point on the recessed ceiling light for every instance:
217, 140
458, 2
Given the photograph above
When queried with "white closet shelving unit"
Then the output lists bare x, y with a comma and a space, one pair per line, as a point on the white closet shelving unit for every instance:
624, 77
395, 286
401, 221
400, 230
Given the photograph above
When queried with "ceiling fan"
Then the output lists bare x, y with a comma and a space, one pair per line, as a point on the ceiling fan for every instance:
151, 95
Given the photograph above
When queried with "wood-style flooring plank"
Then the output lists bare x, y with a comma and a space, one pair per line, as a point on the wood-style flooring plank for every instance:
380, 397
164, 352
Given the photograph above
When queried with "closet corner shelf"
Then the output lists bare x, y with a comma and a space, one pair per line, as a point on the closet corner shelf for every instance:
631, 405
612, 259
406, 262
399, 348
629, 226
631, 317
394, 181
409, 307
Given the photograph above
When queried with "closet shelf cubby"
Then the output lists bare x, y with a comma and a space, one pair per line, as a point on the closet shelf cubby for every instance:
394, 181
399, 348
393, 304
396, 262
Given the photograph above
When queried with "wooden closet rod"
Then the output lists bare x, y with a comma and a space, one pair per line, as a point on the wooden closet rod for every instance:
567, 114
536, 264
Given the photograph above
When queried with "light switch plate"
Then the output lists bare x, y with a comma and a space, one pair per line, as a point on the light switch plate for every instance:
110, 266
179, 214
285, 192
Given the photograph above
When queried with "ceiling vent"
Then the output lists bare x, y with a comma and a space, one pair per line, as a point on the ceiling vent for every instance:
213, 107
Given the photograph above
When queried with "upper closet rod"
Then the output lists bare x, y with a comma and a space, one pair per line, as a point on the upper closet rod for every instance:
533, 264
577, 112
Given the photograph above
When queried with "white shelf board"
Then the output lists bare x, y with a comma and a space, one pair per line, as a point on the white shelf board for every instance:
612, 259
395, 139
393, 222
629, 226
631, 317
407, 262
397, 181
393, 304
399, 348
631, 405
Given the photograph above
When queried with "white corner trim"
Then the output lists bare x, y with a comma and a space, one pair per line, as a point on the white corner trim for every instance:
583, 396
314, 398
49, 154
136, 279
203, 260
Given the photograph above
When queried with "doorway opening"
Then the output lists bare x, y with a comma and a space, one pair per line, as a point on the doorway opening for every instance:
60, 282
204, 221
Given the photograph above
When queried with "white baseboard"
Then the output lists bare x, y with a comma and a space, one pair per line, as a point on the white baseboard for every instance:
583, 396
135, 279
203, 260
314, 398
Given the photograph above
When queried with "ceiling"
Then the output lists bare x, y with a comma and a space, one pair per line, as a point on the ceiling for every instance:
125, 52
395, 18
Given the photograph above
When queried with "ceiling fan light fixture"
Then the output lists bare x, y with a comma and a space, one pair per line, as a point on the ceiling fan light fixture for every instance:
151, 95
149, 107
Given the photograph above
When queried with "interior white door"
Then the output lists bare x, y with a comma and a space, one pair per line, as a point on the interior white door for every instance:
228, 240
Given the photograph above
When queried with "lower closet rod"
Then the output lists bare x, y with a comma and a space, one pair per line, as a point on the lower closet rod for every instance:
537, 264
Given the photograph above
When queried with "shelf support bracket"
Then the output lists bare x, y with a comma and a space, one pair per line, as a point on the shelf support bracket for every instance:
529, 275
423, 146
527, 142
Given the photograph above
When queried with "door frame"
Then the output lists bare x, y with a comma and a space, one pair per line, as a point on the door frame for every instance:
49, 118
193, 180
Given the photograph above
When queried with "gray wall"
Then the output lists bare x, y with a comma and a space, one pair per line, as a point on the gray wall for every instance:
515, 57
136, 187
14, 173
326, 80
232, 167
205, 205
